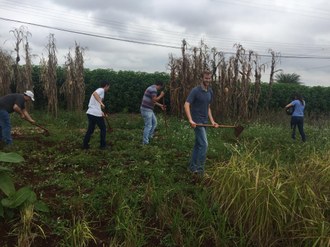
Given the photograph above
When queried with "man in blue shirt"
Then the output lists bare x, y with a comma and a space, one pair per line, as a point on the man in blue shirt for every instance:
198, 111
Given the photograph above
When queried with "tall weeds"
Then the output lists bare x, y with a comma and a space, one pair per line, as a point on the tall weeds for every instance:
275, 207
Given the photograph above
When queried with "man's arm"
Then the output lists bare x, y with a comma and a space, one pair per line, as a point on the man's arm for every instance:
288, 105
24, 114
188, 114
98, 99
27, 117
18, 110
211, 118
156, 99
161, 106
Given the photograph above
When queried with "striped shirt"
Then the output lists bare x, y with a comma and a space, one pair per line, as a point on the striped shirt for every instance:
147, 101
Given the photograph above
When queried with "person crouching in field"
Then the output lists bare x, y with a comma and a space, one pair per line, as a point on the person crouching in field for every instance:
297, 118
149, 100
95, 115
198, 111
8, 104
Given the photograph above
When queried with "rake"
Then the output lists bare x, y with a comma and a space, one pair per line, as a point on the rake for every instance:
238, 129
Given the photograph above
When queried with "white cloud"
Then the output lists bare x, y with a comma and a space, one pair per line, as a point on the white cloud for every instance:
289, 27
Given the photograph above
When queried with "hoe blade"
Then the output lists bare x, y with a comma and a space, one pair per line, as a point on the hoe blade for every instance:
238, 130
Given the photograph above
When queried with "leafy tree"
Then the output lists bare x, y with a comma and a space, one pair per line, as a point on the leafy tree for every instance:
287, 78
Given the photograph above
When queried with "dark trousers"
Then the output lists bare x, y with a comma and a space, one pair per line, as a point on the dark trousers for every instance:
298, 122
92, 122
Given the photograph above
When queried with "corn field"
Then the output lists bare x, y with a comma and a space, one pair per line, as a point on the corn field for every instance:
235, 94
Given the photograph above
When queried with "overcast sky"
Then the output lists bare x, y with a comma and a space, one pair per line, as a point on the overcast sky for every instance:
139, 35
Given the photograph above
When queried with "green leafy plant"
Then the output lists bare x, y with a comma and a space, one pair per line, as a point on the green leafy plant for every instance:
24, 200
15, 199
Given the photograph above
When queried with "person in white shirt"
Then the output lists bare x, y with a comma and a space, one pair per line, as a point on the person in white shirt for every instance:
95, 115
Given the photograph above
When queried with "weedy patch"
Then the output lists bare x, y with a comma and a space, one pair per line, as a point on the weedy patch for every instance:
261, 189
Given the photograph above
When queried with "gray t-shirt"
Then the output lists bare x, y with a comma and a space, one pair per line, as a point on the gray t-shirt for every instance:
8, 101
199, 100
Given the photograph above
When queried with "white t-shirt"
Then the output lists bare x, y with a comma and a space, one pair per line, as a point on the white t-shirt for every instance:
94, 107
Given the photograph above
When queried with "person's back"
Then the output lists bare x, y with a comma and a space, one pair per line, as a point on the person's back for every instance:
297, 118
8, 104
8, 101
299, 107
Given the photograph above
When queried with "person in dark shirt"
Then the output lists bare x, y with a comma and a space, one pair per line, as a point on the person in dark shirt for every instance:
13, 103
198, 111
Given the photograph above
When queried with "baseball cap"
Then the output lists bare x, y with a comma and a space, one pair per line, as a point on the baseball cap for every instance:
30, 94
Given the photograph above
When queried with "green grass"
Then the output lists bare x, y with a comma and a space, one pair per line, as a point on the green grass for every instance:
263, 188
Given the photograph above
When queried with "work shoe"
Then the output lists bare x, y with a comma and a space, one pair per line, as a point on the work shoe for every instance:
104, 148
85, 147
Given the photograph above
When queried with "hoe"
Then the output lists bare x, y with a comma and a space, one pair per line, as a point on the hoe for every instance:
46, 132
109, 130
238, 129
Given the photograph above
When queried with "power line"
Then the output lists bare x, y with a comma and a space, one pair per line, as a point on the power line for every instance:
168, 37
92, 35
149, 43
38, 11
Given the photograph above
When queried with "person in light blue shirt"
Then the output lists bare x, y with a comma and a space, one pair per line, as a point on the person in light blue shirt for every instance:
297, 118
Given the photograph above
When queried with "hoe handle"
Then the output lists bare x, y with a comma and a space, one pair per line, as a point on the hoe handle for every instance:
46, 132
220, 125
41, 127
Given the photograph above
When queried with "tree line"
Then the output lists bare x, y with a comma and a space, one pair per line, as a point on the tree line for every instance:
127, 88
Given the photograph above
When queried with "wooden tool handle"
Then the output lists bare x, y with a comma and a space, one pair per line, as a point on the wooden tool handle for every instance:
220, 125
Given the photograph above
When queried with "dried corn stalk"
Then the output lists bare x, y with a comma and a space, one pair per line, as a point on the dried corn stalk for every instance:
273, 70
74, 86
49, 76
6, 72
232, 80
27, 72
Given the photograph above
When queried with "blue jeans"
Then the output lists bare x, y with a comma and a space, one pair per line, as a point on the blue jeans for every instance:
198, 157
150, 124
92, 121
298, 122
5, 127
